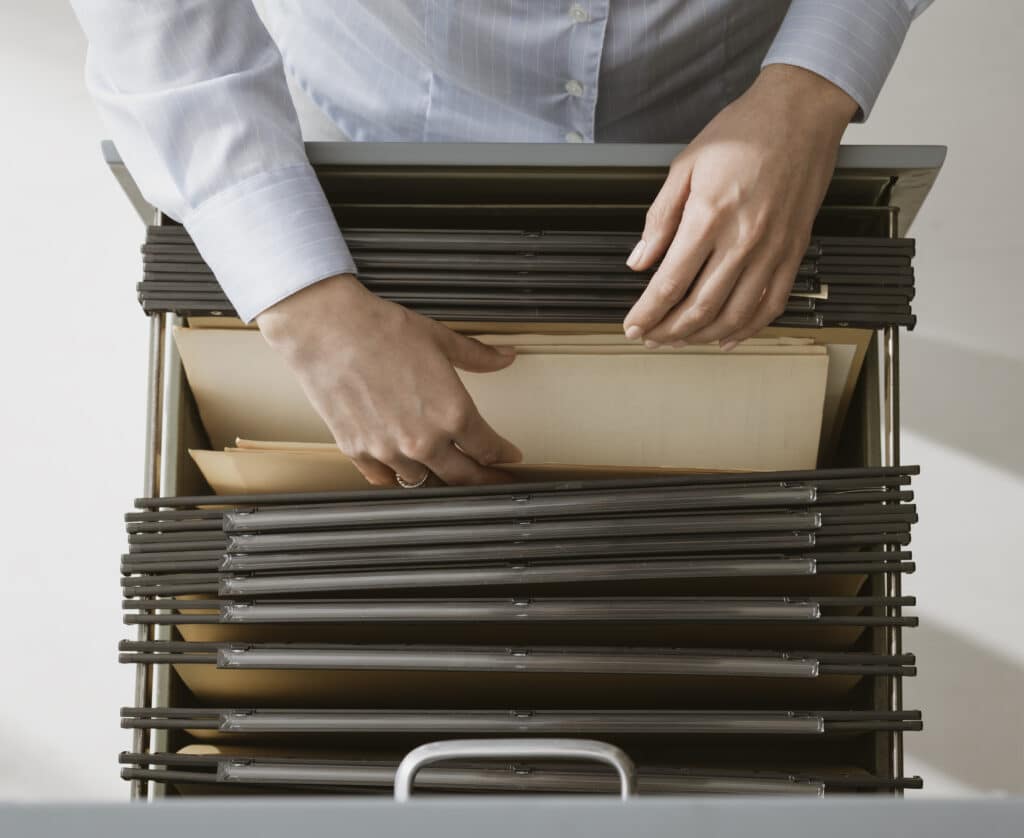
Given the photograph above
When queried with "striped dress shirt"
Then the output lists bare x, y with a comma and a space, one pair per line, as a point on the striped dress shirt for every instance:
194, 93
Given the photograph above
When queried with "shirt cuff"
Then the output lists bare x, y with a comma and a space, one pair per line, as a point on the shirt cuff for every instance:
852, 43
269, 236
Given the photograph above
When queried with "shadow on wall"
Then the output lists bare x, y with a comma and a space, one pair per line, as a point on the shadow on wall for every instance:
964, 399
971, 402
973, 716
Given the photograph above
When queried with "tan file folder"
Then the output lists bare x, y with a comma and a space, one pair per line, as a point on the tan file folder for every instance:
605, 402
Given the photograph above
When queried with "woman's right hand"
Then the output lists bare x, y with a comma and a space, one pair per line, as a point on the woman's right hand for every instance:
383, 379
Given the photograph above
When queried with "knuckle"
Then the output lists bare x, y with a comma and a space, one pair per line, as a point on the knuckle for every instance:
406, 441
381, 452
665, 290
458, 418
419, 448
701, 216
680, 165
349, 449
761, 226
754, 234
746, 241
359, 450
701, 314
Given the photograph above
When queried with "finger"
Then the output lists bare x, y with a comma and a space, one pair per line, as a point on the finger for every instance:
375, 472
405, 467
458, 469
473, 356
471, 433
485, 445
742, 304
686, 256
699, 309
663, 217
771, 307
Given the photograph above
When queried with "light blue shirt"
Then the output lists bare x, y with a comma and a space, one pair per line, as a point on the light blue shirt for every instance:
195, 96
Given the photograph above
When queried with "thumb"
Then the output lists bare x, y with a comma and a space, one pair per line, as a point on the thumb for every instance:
472, 356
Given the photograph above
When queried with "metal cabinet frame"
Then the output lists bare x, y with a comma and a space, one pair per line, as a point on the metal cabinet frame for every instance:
898, 177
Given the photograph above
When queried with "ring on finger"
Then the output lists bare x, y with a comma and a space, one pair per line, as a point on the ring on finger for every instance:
405, 484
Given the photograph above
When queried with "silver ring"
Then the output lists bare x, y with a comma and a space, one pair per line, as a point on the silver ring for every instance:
406, 485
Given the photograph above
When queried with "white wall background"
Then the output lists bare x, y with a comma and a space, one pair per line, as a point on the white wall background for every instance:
73, 350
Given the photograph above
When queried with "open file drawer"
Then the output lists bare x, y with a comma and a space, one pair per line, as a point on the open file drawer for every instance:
876, 191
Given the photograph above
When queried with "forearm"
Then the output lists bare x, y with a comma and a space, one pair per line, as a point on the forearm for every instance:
805, 94
195, 97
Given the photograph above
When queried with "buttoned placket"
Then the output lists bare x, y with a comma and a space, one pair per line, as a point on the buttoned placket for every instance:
587, 18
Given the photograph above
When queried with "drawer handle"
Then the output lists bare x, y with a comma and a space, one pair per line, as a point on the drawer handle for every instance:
585, 749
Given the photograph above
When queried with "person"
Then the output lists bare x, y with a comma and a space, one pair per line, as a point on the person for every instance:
196, 98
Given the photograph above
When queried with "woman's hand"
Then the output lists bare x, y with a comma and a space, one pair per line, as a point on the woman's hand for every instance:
734, 216
384, 381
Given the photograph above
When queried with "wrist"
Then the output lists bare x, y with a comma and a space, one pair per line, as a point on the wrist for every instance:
805, 94
299, 320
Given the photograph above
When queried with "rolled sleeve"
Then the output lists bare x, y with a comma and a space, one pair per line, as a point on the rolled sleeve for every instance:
269, 236
852, 43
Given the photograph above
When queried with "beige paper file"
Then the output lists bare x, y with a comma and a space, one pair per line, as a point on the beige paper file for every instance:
258, 467
258, 472
694, 410
750, 412
846, 349
243, 388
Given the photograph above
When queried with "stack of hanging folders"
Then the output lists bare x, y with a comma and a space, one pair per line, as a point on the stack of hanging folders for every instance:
545, 276
675, 569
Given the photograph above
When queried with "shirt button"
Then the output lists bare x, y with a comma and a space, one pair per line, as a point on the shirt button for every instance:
574, 88
574, 137
578, 13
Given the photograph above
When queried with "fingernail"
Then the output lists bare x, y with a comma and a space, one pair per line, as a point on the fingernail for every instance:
728, 345
633, 333
638, 251
651, 344
679, 344
506, 350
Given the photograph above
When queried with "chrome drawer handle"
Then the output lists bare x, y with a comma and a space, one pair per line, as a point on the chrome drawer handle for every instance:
586, 749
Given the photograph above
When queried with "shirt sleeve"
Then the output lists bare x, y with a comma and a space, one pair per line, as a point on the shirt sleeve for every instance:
852, 43
195, 97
